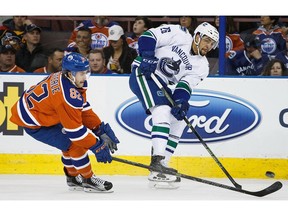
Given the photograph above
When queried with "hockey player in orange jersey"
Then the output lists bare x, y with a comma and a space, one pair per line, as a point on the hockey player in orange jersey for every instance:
55, 111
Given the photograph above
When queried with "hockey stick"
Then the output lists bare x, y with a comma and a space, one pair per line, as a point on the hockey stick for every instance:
196, 133
271, 189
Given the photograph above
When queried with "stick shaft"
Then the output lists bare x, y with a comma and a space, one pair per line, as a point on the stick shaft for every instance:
271, 189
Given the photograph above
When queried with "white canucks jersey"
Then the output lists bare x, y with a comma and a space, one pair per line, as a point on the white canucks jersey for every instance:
176, 62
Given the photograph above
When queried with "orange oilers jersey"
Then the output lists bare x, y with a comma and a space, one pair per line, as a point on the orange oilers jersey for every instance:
233, 42
133, 43
16, 69
41, 70
56, 100
237, 42
99, 35
272, 41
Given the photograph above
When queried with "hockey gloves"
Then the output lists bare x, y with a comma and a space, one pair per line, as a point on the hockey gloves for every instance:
180, 109
106, 134
181, 96
148, 64
101, 150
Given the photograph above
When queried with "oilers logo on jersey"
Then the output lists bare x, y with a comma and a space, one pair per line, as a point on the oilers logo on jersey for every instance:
268, 45
169, 67
229, 44
99, 40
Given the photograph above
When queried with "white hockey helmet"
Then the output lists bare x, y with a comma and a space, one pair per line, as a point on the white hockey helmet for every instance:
208, 30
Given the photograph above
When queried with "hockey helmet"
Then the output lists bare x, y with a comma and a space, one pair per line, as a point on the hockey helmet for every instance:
208, 30
75, 62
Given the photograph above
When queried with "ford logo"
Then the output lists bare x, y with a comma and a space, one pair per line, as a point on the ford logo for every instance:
214, 115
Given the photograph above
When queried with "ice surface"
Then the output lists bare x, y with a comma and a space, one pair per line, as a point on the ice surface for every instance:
49, 194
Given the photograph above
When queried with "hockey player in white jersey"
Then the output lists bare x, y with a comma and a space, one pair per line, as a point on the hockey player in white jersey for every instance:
177, 59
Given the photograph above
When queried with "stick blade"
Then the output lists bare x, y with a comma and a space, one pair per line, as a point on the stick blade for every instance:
271, 189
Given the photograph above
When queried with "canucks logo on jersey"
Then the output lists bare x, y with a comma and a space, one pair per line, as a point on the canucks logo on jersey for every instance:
169, 67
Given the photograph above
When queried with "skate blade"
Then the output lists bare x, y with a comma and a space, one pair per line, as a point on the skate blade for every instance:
163, 185
76, 188
92, 190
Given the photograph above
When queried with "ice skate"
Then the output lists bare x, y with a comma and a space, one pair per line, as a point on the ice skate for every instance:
161, 180
74, 182
97, 185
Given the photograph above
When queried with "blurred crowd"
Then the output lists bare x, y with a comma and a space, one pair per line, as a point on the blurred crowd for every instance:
261, 50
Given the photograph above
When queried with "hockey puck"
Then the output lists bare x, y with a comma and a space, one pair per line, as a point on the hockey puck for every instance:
270, 174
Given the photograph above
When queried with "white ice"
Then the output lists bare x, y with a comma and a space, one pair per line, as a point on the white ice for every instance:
133, 196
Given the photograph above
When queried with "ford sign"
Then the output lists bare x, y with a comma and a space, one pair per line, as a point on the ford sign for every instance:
214, 115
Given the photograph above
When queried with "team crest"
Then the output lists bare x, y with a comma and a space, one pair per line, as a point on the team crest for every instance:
169, 67
99, 41
268, 45
229, 44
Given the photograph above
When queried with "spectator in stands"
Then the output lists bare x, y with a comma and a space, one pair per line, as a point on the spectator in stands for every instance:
31, 55
249, 61
283, 56
118, 55
97, 64
275, 67
10, 37
16, 24
190, 22
83, 42
54, 62
7, 59
141, 24
271, 36
99, 26
233, 39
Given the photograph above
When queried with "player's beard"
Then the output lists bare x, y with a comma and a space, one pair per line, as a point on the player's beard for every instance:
79, 84
204, 52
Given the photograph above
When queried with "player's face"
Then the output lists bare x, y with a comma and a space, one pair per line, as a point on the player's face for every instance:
206, 45
80, 78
